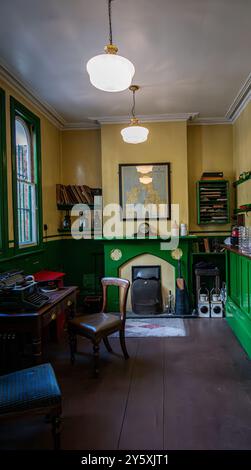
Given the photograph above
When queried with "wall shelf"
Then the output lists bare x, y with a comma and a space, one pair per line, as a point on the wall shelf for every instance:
68, 207
241, 180
213, 202
209, 254
243, 210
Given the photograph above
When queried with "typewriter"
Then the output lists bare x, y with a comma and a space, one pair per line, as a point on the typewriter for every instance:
19, 292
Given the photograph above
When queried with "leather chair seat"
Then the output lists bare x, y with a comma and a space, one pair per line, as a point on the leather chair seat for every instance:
96, 323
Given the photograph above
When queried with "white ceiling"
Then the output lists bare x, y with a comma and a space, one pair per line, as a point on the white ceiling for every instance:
190, 55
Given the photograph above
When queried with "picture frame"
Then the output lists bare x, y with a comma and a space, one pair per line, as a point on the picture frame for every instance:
145, 183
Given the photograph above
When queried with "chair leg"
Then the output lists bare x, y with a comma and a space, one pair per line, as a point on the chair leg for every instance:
107, 344
73, 345
123, 344
56, 431
96, 358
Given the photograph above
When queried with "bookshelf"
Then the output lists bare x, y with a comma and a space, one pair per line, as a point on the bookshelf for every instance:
68, 196
208, 250
213, 202
71, 194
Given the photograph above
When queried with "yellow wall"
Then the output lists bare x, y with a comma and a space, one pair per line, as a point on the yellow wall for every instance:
167, 142
242, 156
81, 157
51, 162
209, 149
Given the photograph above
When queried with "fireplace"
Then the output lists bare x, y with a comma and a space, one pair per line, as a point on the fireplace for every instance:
146, 292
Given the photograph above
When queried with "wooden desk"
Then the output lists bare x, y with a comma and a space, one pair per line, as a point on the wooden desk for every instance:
62, 302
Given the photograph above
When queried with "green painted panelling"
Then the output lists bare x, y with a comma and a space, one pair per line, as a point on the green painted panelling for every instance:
49, 257
83, 264
238, 308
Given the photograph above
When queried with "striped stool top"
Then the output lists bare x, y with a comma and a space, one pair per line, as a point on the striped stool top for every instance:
28, 389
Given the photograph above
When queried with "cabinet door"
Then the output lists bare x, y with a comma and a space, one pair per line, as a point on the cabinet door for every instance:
244, 283
233, 276
249, 287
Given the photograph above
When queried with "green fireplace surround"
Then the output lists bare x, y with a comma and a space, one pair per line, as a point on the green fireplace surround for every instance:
132, 248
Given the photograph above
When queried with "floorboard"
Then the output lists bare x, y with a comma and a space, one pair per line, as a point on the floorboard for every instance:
143, 423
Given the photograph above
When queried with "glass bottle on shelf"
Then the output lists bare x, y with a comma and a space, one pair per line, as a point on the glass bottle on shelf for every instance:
67, 222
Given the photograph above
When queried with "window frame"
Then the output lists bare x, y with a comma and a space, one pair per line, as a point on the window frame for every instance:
4, 235
31, 120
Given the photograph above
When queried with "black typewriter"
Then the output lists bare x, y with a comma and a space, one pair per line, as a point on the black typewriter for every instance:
19, 292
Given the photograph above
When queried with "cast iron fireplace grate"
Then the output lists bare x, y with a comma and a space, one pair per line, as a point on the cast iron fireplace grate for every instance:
146, 292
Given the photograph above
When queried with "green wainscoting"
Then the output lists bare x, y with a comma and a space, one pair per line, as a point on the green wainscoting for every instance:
83, 262
238, 308
48, 257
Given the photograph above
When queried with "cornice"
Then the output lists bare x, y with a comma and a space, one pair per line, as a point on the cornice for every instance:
145, 118
85, 125
209, 121
241, 100
26, 92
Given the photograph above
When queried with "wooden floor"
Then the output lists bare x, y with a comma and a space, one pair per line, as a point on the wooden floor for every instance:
190, 392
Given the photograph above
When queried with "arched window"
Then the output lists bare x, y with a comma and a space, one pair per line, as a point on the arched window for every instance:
26, 196
26, 178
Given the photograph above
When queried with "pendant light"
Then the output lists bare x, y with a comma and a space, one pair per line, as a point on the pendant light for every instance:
134, 133
109, 71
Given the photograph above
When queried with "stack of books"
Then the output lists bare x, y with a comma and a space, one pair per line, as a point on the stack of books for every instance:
212, 175
75, 194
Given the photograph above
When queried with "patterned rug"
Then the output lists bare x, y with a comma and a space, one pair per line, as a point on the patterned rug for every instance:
154, 327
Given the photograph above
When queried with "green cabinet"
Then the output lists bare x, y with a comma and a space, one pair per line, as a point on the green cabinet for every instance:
238, 307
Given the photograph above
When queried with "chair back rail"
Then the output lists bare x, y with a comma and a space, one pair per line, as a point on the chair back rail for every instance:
123, 285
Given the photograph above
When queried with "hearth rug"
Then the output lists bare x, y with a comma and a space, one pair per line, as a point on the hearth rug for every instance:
161, 327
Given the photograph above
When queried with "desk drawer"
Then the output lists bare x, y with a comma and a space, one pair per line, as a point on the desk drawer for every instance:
66, 306
70, 301
51, 315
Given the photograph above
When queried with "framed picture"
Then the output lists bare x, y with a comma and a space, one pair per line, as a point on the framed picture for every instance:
147, 186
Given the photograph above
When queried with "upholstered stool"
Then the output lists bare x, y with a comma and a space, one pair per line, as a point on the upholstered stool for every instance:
33, 390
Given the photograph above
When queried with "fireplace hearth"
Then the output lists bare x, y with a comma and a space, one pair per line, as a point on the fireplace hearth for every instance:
146, 293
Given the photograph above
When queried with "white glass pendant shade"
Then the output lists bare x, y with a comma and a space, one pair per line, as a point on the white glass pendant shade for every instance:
134, 134
110, 72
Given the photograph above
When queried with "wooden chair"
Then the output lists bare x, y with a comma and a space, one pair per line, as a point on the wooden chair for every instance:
33, 391
98, 326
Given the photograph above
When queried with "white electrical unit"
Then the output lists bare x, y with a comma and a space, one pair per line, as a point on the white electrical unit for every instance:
216, 309
204, 309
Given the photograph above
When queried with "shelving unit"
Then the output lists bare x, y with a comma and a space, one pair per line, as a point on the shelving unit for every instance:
69, 196
213, 202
